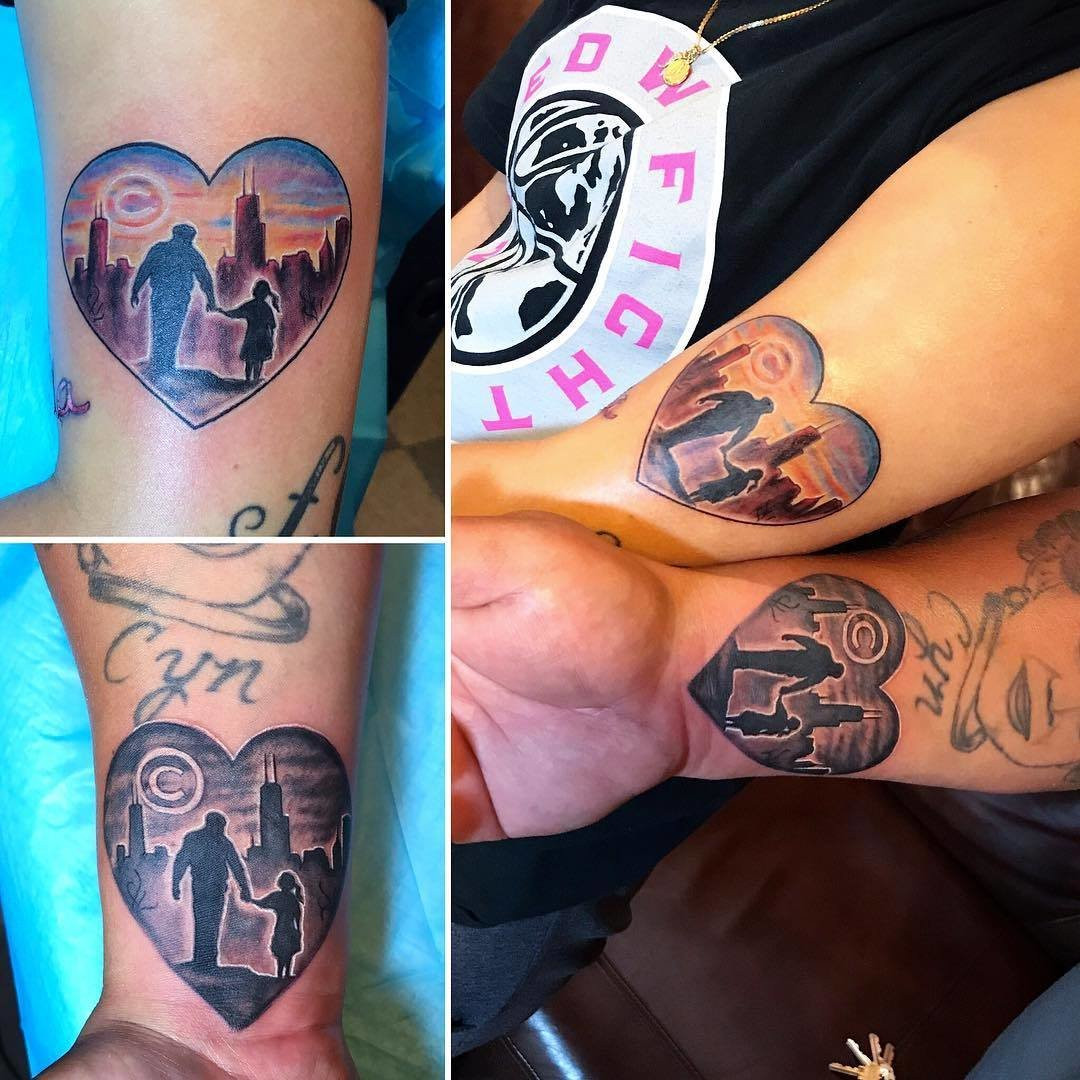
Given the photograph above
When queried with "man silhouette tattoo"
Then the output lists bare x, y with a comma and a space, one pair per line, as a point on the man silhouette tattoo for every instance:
210, 856
731, 412
172, 268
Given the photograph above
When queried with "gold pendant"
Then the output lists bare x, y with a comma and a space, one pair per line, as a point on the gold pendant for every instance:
677, 69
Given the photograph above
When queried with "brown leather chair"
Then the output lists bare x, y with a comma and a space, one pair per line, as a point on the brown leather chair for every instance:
802, 914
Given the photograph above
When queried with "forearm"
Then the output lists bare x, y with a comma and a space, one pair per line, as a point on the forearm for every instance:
953, 662
261, 131
934, 322
237, 721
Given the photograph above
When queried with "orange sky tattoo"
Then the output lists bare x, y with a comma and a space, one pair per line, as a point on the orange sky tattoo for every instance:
741, 435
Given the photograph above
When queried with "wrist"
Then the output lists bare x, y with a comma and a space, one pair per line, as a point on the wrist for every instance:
708, 606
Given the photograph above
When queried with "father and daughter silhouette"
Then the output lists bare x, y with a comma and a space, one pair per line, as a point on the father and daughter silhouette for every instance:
209, 856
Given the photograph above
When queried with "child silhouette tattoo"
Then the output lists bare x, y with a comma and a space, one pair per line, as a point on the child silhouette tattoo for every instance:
287, 904
258, 344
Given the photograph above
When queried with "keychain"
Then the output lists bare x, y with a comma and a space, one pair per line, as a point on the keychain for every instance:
877, 1067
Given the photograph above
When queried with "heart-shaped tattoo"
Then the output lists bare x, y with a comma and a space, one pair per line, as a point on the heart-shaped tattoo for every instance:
741, 435
233, 866
206, 287
798, 684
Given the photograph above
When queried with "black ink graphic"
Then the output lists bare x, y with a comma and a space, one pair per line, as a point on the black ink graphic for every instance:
220, 858
568, 165
171, 268
1028, 706
798, 685
249, 598
144, 219
334, 456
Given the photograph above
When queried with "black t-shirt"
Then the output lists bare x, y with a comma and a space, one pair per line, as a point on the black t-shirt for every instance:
645, 217
741, 181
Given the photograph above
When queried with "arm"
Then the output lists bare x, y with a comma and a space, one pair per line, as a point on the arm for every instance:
290, 100
206, 282
141, 275
941, 312
200, 682
180, 866
582, 670
479, 218
239, 874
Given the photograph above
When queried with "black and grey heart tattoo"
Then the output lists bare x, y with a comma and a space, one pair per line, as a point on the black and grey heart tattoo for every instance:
798, 685
233, 865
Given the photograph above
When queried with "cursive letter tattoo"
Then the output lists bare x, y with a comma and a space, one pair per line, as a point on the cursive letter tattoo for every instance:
65, 401
798, 685
235, 591
937, 656
232, 865
335, 456
741, 434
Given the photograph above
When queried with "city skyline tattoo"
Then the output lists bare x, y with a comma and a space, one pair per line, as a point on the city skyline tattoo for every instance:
741, 435
233, 866
798, 685
206, 287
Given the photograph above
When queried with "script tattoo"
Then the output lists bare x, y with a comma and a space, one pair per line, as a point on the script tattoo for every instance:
741, 435
248, 598
1028, 706
334, 456
232, 865
66, 405
798, 685
938, 656
279, 204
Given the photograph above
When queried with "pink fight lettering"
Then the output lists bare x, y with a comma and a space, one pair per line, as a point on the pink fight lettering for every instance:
627, 304
656, 256
504, 420
570, 385
673, 166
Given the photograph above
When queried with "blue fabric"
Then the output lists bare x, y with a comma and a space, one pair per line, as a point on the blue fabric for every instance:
394, 1000
413, 183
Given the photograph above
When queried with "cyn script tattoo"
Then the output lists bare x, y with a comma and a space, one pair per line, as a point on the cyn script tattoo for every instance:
741, 434
1026, 704
141, 224
249, 598
799, 684
233, 865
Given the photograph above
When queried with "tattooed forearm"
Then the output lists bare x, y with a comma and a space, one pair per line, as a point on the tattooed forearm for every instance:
279, 213
741, 435
334, 457
799, 684
232, 865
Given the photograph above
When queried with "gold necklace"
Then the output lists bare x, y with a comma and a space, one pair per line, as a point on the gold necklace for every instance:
677, 69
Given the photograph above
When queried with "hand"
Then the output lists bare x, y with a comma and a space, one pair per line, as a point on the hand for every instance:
176, 892
561, 707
